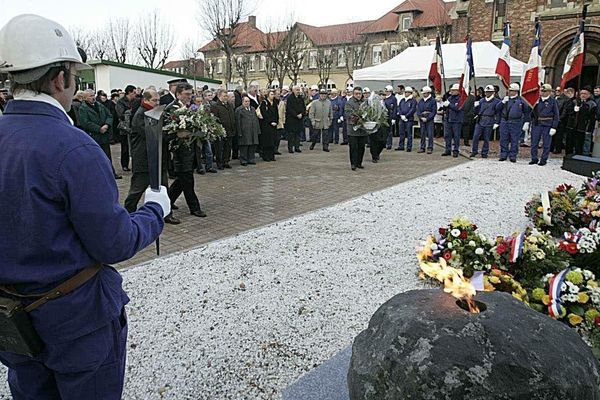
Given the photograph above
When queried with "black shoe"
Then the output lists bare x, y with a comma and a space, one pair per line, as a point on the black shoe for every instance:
421, 151
326, 150
174, 207
374, 160
126, 169
353, 168
312, 146
291, 151
502, 159
266, 160
466, 142
344, 143
429, 151
444, 154
388, 147
243, 164
212, 171
472, 155
298, 151
399, 149
234, 157
542, 163
220, 167
118, 177
513, 160
227, 166
360, 167
198, 213
484, 156
408, 150
532, 162
251, 163
170, 219
454, 155
201, 172
277, 153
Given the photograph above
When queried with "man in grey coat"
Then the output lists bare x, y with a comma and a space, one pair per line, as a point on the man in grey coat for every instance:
357, 137
248, 129
320, 115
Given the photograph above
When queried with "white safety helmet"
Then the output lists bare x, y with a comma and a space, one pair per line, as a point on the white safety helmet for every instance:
455, 87
389, 88
514, 86
408, 89
285, 87
30, 45
314, 87
489, 88
366, 90
426, 89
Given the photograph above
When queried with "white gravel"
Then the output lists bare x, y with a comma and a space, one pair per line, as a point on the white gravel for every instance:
244, 317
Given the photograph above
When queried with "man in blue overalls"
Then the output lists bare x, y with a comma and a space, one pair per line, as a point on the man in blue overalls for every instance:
545, 117
405, 114
60, 213
426, 111
514, 119
337, 108
391, 105
453, 120
487, 111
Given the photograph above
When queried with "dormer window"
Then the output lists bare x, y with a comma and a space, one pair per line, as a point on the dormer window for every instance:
406, 21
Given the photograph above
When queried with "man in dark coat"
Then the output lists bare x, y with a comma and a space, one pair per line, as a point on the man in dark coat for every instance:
294, 117
226, 116
183, 156
581, 118
268, 126
124, 113
96, 120
357, 137
248, 130
170, 97
237, 101
562, 98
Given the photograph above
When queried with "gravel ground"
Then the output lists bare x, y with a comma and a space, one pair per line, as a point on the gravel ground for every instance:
244, 317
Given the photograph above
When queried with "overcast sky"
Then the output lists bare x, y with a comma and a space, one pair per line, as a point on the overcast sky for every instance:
182, 14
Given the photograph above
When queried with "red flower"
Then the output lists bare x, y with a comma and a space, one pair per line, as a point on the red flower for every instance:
447, 255
463, 235
443, 231
474, 227
597, 321
501, 248
571, 248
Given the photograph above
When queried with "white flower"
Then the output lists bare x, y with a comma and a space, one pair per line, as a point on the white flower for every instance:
450, 245
479, 251
455, 232
472, 243
434, 246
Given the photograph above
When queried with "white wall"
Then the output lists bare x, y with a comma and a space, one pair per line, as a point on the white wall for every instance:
112, 77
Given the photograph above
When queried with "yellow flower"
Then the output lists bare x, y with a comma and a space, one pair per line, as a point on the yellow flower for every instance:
592, 284
494, 279
583, 298
546, 299
540, 209
575, 319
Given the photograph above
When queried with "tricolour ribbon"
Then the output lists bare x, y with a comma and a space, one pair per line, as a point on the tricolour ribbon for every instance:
516, 248
554, 308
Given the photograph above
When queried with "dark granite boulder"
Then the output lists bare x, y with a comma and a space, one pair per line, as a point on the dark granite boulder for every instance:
421, 345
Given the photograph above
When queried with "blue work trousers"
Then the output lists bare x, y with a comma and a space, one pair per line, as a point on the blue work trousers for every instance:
91, 367
334, 131
510, 132
427, 135
540, 133
390, 135
406, 134
485, 133
452, 132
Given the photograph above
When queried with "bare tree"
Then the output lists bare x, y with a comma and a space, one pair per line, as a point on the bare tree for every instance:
354, 57
99, 45
209, 66
154, 40
325, 60
189, 49
295, 53
119, 34
414, 37
221, 19
242, 66
82, 38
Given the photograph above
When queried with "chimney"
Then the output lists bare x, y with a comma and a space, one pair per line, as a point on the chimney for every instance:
252, 21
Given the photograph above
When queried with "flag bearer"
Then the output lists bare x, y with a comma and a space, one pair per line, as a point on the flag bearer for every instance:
487, 111
514, 119
544, 117
426, 111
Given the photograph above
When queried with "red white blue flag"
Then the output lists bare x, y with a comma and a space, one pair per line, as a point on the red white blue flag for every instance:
503, 65
574, 61
437, 67
554, 307
467, 75
530, 86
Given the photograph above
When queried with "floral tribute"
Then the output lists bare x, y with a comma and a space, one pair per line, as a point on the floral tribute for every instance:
193, 125
370, 116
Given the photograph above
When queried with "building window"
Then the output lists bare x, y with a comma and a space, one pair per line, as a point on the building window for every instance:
499, 14
341, 58
263, 63
219, 66
312, 59
395, 49
557, 3
406, 22
302, 58
252, 61
377, 52
358, 56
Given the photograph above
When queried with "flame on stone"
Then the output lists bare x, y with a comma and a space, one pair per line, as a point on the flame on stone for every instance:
452, 278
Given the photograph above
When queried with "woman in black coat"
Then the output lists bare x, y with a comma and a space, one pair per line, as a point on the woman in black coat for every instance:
268, 126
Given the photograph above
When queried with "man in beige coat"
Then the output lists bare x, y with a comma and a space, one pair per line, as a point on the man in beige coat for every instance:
320, 115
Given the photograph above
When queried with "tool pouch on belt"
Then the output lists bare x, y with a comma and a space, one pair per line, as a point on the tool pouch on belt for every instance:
17, 334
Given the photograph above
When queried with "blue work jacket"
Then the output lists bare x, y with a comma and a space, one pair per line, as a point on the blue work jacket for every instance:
427, 108
488, 112
545, 113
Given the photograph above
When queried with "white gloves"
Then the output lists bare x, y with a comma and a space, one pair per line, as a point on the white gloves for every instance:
339, 120
495, 126
403, 118
576, 108
393, 122
525, 126
446, 103
161, 198
505, 99
342, 118
552, 131
424, 119
476, 104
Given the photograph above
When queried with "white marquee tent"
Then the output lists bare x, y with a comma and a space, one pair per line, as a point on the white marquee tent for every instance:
411, 67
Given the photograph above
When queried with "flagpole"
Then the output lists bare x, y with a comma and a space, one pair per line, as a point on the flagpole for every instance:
439, 39
583, 17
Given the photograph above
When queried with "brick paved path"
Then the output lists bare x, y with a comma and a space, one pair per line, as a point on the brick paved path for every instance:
244, 198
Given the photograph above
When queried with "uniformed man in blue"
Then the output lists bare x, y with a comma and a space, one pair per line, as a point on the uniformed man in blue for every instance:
405, 116
544, 121
514, 119
337, 107
60, 213
426, 111
487, 111
391, 104
453, 120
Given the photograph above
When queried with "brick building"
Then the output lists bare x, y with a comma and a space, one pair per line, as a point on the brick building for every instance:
186, 67
559, 20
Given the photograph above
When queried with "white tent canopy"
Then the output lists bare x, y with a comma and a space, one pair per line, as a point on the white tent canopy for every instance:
411, 67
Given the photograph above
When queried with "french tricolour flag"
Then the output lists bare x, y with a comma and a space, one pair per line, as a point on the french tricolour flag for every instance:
467, 75
530, 86
503, 65
437, 66
574, 61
